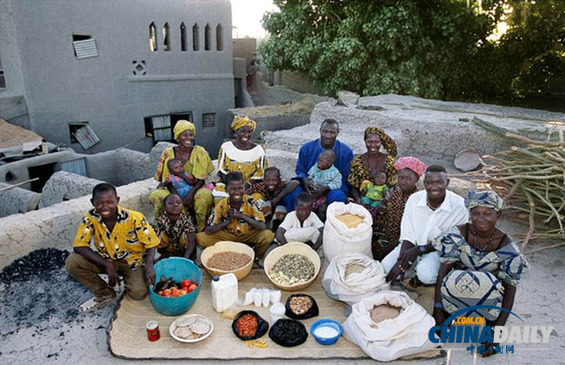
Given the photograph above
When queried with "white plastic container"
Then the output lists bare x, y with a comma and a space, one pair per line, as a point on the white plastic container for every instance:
277, 312
224, 292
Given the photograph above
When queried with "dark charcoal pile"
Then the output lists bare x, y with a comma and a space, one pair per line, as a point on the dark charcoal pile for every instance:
37, 264
36, 291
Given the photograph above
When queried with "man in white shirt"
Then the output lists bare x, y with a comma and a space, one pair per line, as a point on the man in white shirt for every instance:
301, 225
427, 214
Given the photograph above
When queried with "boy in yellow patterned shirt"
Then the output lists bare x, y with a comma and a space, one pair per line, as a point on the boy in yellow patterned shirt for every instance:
236, 218
123, 240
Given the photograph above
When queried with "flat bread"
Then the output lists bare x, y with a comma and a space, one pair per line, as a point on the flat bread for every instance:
200, 327
183, 332
185, 321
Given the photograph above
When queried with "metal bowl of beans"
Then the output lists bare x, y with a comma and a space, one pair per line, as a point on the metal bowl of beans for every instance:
228, 257
293, 266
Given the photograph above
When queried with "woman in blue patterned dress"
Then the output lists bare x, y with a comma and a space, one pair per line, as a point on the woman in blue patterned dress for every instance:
480, 264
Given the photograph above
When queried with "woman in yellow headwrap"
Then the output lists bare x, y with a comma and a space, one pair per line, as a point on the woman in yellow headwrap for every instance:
197, 164
242, 154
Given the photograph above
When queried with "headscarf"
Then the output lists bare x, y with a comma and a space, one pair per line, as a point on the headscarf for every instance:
388, 143
488, 199
239, 122
411, 163
181, 126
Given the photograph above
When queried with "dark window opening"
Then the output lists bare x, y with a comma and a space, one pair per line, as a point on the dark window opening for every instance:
80, 37
219, 38
207, 38
166, 39
84, 46
208, 120
160, 127
183, 46
152, 37
195, 38
73, 127
42, 174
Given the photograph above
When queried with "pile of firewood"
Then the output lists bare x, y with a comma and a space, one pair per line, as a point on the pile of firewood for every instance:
531, 179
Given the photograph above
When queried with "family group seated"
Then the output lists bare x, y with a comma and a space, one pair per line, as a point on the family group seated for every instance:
421, 237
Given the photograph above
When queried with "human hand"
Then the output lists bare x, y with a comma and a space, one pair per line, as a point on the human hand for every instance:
112, 276
407, 257
150, 275
396, 273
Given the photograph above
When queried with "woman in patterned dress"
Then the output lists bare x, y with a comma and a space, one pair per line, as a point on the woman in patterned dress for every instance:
480, 264
365, 166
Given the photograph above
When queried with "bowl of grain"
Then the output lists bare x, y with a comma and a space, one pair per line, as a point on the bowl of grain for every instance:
228, 257
293, 266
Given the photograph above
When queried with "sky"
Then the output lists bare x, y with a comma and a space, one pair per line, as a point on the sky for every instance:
247, 15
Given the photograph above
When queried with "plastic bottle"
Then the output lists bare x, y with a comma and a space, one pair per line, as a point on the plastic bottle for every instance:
224, 292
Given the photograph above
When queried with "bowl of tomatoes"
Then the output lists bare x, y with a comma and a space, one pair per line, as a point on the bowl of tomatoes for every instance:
178, 282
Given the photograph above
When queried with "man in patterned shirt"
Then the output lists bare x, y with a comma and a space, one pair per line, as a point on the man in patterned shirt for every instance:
124, 243
236, 218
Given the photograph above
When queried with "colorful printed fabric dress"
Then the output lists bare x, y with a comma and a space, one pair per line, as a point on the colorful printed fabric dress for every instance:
477, 276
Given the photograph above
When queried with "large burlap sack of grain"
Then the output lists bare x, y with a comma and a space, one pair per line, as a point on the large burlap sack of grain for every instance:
348, 229
352, 277
389, 325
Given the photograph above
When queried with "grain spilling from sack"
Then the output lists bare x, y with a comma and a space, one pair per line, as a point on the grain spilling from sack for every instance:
350, 220
384, 311
228, 260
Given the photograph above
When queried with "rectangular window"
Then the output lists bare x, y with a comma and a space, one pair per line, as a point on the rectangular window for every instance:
160, 127
84, 46
208, 120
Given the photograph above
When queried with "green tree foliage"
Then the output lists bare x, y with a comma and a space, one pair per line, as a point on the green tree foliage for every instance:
429, 48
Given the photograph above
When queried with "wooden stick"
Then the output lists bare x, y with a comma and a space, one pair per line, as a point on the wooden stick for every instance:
19, 184
547, 247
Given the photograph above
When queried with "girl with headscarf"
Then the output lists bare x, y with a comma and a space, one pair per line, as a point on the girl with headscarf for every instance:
410, 169
480, 264
242, 154
197, 164
365, 166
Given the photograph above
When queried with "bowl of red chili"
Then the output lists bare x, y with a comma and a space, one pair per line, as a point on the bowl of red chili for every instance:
248, 325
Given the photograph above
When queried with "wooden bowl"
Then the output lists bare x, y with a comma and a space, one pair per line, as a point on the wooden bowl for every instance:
228, 246
293, 248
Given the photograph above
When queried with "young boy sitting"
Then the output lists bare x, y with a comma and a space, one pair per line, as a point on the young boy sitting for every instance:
301, 225
176, 230
179, 181
124, 243
236, 218
272, 194
375, 193
325, 177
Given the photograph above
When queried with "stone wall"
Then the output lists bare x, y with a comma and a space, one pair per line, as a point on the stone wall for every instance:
63, 186
16, 200
56, 225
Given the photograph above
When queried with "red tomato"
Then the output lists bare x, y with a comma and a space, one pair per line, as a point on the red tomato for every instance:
160, 292
167, 295
192, 287
175, 292
186, 283
182, 292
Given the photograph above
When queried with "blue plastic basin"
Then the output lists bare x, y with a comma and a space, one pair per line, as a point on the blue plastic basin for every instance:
327, 323
179, 269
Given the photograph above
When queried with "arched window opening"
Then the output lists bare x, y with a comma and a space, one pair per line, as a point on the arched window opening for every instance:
207, 38
153, 37
183, 46
166, 38
195, 38
219, 38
